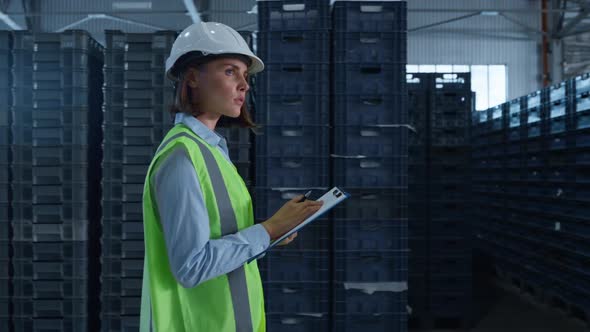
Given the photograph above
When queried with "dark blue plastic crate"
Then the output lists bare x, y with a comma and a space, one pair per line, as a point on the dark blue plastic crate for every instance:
136, 117
291, 266
111, 287
293, 15
128, 211
357, 110
292, 141
292, 110
450, 245
138, 98
134, 79
49, 155
72, 231
297, 322
71, 268
288, 298
515, 113
57, 98
364, 16
129, 192
443, 266
49, 118
373, 203
50, 175
451, 304
50, 194
295, 172
363, 171
128, 154
117, 322
369, 47
367, 79
441, 226
66, 78
448, 209
582, 112
294, 79
66, 211
449, 137
353, 301
124, 306
5, 136
50, 289
370, 235
117, 230
582, 83
49, 251
5, 115
121, 268
124, 173
51, 324
378, 266
371, 141
303, 46
72, 135
377, 322
132, 249
133, 135
453, 81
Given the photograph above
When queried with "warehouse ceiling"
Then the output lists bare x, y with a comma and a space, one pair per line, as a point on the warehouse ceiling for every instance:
575, 31
125, 15
570, 20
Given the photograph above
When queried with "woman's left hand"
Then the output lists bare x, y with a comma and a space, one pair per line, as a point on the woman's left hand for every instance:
288, 240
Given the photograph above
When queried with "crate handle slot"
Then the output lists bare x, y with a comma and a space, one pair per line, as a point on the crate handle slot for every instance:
293, 38
370, 70
371, 9
292, 100
372, 101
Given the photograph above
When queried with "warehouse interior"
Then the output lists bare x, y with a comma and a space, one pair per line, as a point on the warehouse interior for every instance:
459, 129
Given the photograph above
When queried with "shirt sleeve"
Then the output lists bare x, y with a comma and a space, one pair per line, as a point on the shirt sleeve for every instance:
193, 257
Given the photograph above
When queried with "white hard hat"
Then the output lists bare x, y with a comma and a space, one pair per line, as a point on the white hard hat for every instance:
210, 38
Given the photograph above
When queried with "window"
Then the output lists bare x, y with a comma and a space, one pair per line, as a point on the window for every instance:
488, 81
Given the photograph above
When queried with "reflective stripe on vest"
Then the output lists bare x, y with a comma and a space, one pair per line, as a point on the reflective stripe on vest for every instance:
229, 225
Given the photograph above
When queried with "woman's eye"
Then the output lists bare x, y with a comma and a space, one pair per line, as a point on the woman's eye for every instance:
229, 71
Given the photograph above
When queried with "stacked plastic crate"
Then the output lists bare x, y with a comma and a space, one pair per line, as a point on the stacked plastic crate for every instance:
449, 257
419, 106
137, 96
56, 133
292, 156
5, 121
370, 161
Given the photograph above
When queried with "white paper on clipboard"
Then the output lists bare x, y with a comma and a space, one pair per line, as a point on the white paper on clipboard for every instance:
331, 198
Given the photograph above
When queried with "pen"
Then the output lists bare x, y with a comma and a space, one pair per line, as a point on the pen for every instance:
305, 196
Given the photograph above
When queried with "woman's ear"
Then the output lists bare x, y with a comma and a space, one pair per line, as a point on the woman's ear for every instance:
193, 78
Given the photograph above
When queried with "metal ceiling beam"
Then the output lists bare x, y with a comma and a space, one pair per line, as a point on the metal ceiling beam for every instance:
192, 10
583, 13
443, 22
108, 17
9, 21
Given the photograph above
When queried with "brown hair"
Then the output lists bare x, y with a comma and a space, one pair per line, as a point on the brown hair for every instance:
184, 101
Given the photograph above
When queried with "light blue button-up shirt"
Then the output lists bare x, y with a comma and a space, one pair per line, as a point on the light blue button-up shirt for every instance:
194, 258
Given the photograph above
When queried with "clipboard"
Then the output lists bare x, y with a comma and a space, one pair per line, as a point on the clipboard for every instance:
331, 198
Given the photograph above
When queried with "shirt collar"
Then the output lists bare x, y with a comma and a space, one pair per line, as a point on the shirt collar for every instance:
199, 128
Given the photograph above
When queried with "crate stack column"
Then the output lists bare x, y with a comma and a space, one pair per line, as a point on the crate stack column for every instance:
419, 106
292, 156
449, 257
137, 98
370, 160
56, 112
5, 121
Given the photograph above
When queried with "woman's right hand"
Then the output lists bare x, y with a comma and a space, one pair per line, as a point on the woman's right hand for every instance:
290, 215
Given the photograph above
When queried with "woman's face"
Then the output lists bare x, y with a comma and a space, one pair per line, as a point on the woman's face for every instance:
221, 87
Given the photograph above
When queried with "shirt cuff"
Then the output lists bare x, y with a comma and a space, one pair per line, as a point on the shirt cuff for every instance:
258, 237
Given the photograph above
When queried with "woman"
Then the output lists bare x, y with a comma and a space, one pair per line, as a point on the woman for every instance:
198, 221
